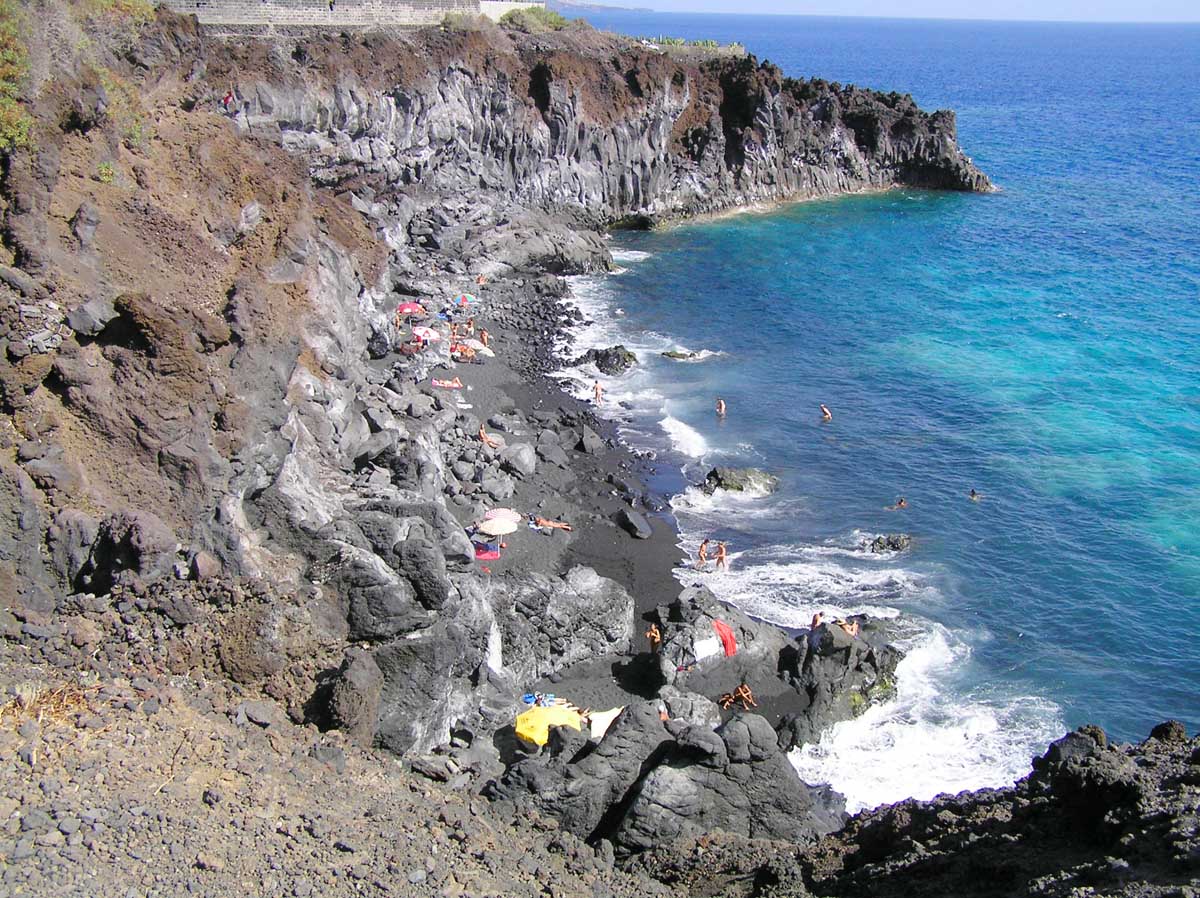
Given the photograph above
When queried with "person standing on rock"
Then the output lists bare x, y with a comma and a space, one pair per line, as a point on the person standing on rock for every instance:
597, 392
722, 557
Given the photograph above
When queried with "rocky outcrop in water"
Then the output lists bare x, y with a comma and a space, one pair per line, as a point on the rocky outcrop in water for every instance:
611, 361
739, 480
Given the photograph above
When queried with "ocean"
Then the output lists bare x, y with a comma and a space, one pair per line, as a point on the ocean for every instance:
1040, 345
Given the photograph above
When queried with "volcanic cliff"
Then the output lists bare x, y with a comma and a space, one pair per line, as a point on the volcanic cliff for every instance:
234, 558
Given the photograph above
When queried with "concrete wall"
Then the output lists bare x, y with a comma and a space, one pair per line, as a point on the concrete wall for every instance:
317, 12
494, 9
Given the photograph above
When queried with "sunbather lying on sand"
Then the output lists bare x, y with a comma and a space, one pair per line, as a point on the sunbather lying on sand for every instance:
546, 522
455, 384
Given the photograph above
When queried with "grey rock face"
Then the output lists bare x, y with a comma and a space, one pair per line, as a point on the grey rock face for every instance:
354, 696
548, 623
137, 542
692, 656
84, 223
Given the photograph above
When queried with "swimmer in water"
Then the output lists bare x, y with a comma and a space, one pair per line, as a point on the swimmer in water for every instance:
720, 407
974, 496
900, 505
826, 414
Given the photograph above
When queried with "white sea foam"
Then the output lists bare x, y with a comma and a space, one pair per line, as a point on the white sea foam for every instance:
693, 355
932, 738
789, 592
684, 438
630, 255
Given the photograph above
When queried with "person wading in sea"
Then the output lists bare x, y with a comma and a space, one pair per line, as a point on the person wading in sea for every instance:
826, 414
702, 556
720, 407
597, 392
722, 557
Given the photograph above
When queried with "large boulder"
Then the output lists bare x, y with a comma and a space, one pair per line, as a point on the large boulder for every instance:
611, 361
837, 676
634, 524
692, 654
739, 480
733, 779
582, 789
378, 602
519, 459
439, 677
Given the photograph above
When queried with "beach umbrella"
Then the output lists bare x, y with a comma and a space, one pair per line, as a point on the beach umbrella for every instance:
428, 334
410, 308
497, 527
464, 298
503, 514
534, 725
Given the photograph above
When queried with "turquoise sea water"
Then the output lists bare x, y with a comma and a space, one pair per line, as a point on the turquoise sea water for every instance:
1041, 345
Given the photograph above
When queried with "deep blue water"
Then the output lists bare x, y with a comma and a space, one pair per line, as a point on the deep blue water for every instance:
1041, 345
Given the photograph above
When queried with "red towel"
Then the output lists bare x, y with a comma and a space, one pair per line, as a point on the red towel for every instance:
727, 638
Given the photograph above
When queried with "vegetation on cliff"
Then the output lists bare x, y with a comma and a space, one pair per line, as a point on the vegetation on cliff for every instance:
16, 124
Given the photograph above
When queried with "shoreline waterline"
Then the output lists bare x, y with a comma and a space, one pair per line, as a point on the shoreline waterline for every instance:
792, 580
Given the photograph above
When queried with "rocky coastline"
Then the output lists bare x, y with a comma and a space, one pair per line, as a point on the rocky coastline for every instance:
246, 630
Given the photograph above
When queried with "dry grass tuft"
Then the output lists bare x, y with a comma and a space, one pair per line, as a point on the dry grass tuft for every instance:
46, 704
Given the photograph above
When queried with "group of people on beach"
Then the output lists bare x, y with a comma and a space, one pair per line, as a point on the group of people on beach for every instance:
721, 558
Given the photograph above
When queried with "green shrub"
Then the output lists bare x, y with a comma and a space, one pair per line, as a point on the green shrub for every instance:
106, 173
16, 125
534, 20
138, 12
462, 21
125, 109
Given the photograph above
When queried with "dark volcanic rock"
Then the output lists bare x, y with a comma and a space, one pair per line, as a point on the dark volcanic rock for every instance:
740, 480
90, 318
734, 779
354, 696
612, 361
837, 676
634, 524
136, 542
890, 542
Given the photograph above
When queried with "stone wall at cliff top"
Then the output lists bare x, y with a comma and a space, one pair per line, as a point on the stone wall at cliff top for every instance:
594, 122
